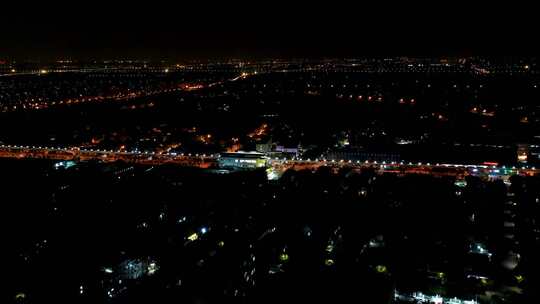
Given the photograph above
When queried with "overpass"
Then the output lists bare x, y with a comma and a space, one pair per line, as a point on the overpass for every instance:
278, 164
81, 154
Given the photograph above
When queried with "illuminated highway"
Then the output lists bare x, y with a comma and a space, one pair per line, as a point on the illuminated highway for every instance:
280, 165
122, 96
77, 154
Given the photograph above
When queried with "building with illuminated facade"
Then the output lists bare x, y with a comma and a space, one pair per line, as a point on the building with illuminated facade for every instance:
242, 160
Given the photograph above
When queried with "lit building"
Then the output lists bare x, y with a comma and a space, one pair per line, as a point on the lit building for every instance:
522, 153
293, 151
242, 160
265, 147
64, 164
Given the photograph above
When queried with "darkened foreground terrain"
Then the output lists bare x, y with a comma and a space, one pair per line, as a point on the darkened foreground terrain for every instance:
96, 233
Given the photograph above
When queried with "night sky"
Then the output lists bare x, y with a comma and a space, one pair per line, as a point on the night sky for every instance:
273, 29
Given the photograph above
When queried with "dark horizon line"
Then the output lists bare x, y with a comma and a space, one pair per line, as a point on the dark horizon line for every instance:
150, 58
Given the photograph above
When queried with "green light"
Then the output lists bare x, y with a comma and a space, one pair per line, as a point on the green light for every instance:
460, 183
380, 268
329, 248
284, 257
